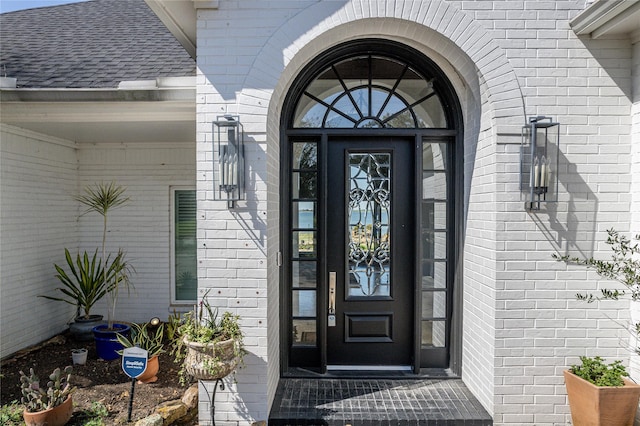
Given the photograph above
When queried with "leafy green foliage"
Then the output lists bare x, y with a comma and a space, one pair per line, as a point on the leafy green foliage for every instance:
36, 398
92, 416
11, 414
203, 325
594, 370
141, 338
623, 267
173, 323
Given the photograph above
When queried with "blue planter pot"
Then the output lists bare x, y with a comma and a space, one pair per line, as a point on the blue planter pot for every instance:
107, 343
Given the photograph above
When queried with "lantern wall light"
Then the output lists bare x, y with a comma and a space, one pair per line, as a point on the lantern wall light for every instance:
539, 161
228, 159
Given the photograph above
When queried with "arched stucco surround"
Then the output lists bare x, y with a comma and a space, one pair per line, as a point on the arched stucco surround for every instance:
491, 101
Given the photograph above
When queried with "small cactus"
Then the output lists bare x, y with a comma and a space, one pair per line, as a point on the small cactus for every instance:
57, 391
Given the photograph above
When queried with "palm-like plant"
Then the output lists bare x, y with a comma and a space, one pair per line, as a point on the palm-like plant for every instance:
86, 283
102, 198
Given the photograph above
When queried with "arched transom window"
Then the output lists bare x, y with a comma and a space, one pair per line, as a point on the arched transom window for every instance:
370, 91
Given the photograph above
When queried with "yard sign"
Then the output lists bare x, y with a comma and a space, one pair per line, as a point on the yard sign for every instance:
134, 361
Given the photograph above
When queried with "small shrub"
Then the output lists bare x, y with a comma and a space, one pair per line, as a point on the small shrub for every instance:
94, 415
594, 370
203, 325
11, 414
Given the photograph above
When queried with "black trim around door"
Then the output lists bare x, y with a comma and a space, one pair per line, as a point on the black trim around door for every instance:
312, 356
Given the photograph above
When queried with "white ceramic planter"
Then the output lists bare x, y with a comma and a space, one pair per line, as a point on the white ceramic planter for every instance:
79, 356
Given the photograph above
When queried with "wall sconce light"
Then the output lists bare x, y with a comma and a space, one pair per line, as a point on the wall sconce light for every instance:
539, 161
228, 159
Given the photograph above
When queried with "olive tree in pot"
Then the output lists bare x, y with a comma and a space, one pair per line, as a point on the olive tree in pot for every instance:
598, 393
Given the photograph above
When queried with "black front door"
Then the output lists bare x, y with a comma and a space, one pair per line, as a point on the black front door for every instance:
370, 252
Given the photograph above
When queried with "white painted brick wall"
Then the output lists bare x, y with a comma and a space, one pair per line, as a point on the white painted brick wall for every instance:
37, 173
635, 185
142, 226
522, 326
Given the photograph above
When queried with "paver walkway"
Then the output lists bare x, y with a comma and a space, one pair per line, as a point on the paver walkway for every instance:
441, 402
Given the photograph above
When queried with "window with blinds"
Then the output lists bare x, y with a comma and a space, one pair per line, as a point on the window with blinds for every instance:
185, 274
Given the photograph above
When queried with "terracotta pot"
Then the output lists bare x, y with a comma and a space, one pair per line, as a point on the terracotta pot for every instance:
593, 405
56, 416
149, 374
201, 355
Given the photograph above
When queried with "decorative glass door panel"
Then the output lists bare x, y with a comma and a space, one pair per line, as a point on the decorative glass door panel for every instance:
369, 242
369, 239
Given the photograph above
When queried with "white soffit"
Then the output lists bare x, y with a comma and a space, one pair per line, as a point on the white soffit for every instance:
609, 19
162, 110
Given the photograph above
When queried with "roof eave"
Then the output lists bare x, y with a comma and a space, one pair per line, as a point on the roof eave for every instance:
157, 90
180, 17
612, 18
95, 95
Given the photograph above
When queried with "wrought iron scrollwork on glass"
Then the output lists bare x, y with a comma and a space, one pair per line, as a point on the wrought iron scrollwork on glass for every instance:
368, 228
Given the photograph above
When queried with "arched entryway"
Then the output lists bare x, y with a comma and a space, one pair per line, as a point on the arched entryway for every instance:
370, 200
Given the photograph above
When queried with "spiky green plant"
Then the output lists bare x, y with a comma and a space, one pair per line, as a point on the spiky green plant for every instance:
141, 338
86, 284
102, 198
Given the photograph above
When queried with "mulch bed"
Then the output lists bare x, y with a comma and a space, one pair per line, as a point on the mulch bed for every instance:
97, 380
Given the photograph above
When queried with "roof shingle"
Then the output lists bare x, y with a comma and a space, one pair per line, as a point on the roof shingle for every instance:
93, 44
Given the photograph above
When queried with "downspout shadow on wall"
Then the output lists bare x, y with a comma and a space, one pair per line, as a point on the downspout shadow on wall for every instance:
571, 231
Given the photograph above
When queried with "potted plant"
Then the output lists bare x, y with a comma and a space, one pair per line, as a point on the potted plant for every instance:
51, 406
210, 347
83, 287
602, 381
145, 339
599, 394
101, 199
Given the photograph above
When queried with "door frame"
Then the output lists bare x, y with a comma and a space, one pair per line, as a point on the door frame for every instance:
317, 359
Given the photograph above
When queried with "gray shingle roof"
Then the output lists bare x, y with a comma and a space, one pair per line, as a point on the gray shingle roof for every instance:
89, 45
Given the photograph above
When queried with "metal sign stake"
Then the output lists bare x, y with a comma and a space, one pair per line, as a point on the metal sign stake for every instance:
133, 388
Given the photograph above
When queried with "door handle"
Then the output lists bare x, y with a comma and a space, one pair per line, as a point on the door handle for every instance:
332, 300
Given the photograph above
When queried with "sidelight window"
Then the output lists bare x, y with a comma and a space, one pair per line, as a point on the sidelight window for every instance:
304, 230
